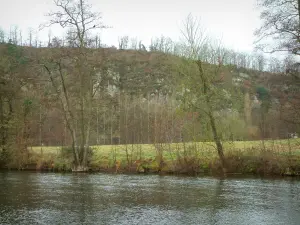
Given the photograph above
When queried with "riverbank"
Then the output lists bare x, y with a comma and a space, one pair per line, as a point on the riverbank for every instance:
275, 158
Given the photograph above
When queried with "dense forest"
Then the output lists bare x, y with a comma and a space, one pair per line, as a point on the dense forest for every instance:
75, 91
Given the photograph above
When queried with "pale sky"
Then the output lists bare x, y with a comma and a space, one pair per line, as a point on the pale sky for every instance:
232, 20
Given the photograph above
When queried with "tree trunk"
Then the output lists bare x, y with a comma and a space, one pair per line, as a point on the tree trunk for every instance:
212, 120
247, 109
299, 16
148, 119
97, 126
217, 140
119, 117
104, 125
111, 125
40, 129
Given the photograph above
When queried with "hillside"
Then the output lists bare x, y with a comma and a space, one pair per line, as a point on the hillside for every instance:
136, 73
136, 97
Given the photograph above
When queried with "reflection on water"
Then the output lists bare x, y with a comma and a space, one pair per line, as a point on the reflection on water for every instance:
41, 198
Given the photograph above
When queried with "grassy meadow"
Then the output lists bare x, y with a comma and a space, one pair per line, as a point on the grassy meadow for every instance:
267, 157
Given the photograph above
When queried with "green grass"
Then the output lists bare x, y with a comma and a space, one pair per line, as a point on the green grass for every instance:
149, 150
104, 155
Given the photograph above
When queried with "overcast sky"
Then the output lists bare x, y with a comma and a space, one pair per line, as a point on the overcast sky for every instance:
233, 20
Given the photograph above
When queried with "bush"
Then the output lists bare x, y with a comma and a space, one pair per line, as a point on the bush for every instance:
188, 161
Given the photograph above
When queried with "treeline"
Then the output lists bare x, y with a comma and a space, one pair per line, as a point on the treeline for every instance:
253, 61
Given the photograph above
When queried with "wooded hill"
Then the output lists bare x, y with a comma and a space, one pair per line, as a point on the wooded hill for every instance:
137, 97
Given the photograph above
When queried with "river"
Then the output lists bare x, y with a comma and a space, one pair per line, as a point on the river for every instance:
53, 198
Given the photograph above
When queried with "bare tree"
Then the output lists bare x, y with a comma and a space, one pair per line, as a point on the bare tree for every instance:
153, 45
123, 42
97, 41
281, 22
56, 42
49, 38
194, 37
162, 44
21, 37
36, 41
78, 17
275, 65
30, 36
261, 62
195, 40
133, 43
2, 36
14, 35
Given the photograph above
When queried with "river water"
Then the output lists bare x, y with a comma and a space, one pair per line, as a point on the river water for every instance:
53, 198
